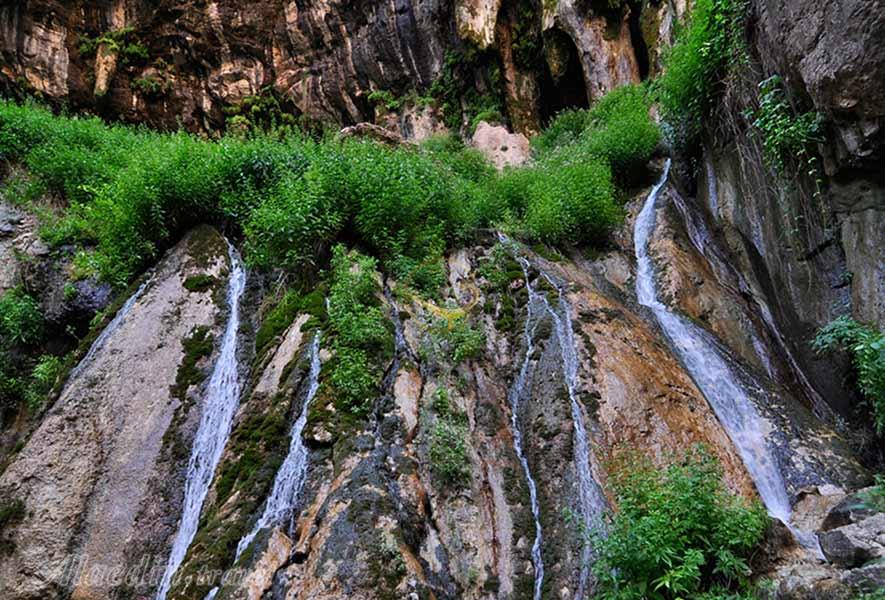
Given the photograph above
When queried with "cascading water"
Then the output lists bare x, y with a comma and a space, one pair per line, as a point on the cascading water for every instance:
715, 378
703, 242
592, 501
111, 327
516, 393
222, 399
290, 478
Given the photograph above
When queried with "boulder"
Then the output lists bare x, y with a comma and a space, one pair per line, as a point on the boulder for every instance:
855, 544
502, 148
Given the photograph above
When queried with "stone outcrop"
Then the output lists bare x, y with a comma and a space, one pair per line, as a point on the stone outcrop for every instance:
183, 62
93, 478
500, 147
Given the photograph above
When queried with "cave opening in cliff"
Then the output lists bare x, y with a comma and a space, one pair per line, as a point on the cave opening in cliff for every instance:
640, 48
562, 84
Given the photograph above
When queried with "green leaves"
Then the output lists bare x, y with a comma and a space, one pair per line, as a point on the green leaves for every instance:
678, 532
785, 136
709, 43
21, 321
867, 349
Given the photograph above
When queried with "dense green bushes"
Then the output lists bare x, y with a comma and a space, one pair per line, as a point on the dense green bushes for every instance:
678, 533
695, 66
23, 376
361, 336
867, 348
130, 192
785, 136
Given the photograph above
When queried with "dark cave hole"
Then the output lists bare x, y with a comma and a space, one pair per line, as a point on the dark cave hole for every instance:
640, 49
561, 87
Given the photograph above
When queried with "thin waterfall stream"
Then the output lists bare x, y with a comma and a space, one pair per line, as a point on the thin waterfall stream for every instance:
290, 478
109, 329
222, 399
711, 372
515, 396
591, 500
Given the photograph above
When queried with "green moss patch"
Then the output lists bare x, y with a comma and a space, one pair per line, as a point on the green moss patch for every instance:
199, 344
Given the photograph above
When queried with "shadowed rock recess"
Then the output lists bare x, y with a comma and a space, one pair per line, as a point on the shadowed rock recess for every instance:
350, 421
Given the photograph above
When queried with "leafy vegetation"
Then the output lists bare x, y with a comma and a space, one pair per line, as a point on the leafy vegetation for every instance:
123, 41
131, 192
197, 345
785, 136
710, 42
448, 443
867, 349
361, 334
22, 376
21, 321
678, 533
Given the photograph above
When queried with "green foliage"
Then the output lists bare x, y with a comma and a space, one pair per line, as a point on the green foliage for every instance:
200, 283
448, 453
449, 462
43, 378
385, 99
21, 321
455, 92
874, 497
566, 128
564, 199
361, 336
131, 193
867, 349
196, 346
124, 42
784, 135
695, 65
678, 533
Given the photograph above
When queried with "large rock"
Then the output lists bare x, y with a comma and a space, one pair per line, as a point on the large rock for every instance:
502, 148
89, 479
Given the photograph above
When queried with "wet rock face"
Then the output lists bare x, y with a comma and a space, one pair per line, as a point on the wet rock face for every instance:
835, 50
91, 480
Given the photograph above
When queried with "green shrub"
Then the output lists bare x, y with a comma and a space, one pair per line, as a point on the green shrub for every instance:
867, 349
131, 193
361, 334
566, 128
21, 321
621, 131
43, 378
785, 136
677, 533
710, 41
448, 453
568, 200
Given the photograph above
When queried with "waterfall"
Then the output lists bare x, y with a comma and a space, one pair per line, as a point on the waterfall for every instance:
591, 499
222, 398
290, 478
703, 242
110, 328
718, 382
516, 393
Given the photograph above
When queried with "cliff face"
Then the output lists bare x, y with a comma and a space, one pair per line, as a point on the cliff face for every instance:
808, 239
756, 260
174, 63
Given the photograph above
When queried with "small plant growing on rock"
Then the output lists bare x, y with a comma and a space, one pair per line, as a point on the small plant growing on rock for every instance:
867, 349
785, 135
